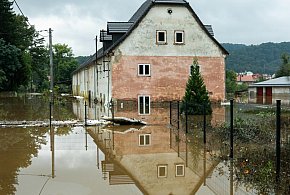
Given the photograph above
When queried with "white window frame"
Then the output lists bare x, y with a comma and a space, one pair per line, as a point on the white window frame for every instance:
158, 42
144, 139
175, 37
144, 105
176, 172
142, 66
158, 171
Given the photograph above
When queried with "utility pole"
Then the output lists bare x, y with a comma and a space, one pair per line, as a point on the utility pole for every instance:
51, 103
51, 65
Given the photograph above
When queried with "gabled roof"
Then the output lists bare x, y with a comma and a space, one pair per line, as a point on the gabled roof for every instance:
140, 14
278, 82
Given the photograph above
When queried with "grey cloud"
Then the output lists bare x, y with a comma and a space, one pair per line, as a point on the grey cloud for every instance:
238, 21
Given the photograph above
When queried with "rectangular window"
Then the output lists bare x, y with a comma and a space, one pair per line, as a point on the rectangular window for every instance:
162, 170
144, 104
143, 69
179, 170
179, 37
161, 37
144, 139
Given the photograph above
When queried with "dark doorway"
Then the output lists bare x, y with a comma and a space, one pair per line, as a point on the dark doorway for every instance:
259, 95
268, 95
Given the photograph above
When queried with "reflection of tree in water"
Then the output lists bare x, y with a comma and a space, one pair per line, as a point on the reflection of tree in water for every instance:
17, 147
63, 131
34, 108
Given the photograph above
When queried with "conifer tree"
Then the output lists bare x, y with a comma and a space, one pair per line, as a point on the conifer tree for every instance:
196, 95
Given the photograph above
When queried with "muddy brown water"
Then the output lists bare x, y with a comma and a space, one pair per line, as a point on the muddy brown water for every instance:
113, 160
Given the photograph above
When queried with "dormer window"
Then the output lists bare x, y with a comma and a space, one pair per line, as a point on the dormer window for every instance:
161, 38
179, 37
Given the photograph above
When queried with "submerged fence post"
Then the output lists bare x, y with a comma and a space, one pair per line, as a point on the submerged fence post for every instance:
204, 124
170, 112
50, 114
177, 114
86, 113
186, 117
113, 117
278, 141
231, 128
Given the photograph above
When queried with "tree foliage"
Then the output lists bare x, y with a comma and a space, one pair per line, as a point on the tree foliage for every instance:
24, 60
17, 38
196, 95
65, 64
231, 81
285, 67
10, 64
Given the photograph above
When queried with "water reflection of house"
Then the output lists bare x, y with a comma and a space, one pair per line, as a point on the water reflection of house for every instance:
160, 112
267, 92
147, 158
148, 58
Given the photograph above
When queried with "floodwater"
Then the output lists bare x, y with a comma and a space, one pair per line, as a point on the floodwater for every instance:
113, 160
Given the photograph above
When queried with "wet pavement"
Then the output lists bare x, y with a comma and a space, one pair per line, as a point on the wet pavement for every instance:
123, 160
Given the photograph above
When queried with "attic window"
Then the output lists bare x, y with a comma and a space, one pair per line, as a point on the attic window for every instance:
161, 37
179, 37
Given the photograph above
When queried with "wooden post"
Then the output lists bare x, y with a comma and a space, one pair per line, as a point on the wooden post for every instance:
231, 128
204, 124
278, 141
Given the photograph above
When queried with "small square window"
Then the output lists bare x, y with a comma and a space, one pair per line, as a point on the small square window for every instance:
179, 37
179, 170
144, 139
162, 170
143, 69
161, 37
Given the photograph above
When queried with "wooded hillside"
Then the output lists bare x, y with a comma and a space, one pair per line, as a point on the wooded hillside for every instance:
263, 58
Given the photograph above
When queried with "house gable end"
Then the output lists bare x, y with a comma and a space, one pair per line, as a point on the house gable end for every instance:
140, 39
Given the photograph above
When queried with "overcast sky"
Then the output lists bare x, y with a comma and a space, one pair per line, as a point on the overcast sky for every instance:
77, 22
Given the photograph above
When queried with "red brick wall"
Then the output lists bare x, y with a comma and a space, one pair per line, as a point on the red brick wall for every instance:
169, 75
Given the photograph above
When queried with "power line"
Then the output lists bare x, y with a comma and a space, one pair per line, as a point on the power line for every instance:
14, 1
21, 11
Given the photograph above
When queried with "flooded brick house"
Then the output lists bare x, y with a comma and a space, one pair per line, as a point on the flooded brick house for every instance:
148, 58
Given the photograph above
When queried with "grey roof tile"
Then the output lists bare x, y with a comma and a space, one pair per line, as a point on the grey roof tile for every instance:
281, 81
104, 36
118, 27
209, 29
